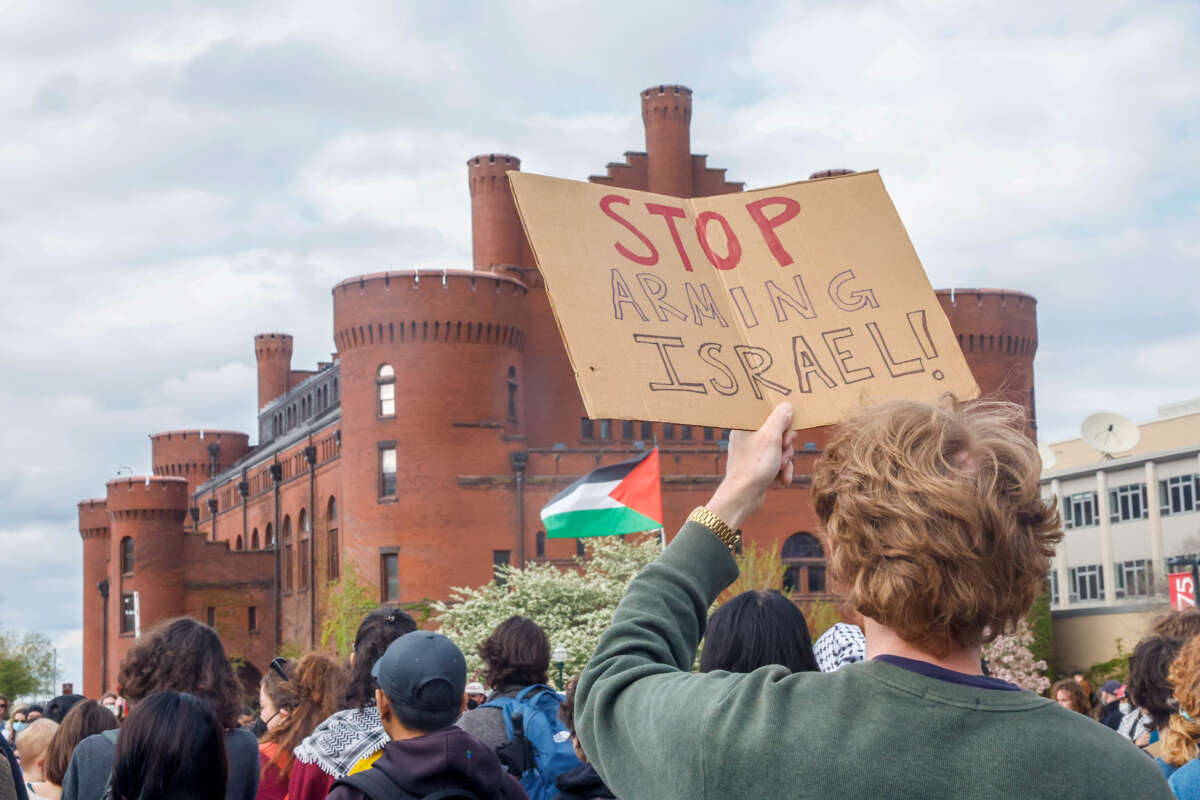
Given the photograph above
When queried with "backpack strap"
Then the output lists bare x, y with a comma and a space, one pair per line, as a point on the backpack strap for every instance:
110, 736
375, 784
529, 692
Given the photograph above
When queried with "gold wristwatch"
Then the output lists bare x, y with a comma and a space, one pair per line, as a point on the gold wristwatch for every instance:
728, 536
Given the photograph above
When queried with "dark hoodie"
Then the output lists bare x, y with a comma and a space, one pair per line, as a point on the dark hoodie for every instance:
445, 759
582, 783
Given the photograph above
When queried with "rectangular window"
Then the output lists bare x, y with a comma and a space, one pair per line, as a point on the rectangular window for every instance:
586, 429
500, 558
1052, 586
647, 431
1133, 578
304, 562
1127, 503
252, 619
1080, 510
685, 433
387, 399
387, 471
626, 430
389, 577
1087, 583
709, 434
605, 429
668, 431
210, 616
335, 569
127, 613
1179, 494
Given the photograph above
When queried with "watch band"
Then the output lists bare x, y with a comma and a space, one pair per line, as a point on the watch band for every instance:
728, 536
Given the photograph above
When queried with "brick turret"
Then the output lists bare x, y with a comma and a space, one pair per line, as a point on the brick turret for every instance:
274, 354
997, 330
94, 529
667, 115
193, 454
497, 238
148, 511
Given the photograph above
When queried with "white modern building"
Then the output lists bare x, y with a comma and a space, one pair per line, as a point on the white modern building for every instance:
1130, 518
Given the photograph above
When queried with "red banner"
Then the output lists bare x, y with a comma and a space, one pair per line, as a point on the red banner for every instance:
1183, 590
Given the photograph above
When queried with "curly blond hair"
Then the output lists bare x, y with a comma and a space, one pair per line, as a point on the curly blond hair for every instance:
935, 521
1179, 741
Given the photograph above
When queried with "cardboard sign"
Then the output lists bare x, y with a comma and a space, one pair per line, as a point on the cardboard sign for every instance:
1183, 590
709, 311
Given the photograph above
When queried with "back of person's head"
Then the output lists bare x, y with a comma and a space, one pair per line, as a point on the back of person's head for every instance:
422, 676
754, 629
58, 708
1074, 695
935, 520
516, 654
1183, 624
183, 655
34, 741
310, 694
379, 629
86, 719
1149, 688
1183, 727
171, 746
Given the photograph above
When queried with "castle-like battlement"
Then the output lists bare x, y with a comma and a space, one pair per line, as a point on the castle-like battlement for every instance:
274, 341
667, 103
486, 172
148, 493
93, 518
1000, 322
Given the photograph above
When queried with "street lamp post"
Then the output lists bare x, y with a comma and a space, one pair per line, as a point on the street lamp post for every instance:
560, 658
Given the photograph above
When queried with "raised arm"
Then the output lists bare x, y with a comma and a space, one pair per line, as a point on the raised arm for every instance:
642, 716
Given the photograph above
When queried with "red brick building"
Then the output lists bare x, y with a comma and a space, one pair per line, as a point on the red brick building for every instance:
421, 454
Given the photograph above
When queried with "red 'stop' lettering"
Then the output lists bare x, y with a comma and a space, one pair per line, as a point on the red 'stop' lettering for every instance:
606, 205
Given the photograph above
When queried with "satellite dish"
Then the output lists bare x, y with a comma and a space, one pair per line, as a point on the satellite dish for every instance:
1110, 433
1048, 457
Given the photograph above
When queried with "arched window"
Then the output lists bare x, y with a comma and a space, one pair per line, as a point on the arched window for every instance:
127, 556
333, 565
305, 543
289, 564
386, 379
305, 525
254, 539
269, 541
540, 546
237, 543
804, 562
512, 394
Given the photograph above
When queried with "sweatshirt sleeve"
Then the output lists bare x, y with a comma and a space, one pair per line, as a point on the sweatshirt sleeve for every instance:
89, 768
638, 694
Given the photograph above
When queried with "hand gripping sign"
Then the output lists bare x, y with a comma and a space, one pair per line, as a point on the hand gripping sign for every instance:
709, 311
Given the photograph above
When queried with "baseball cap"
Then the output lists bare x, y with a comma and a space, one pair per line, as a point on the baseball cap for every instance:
1111, 686
475, 687
424, 671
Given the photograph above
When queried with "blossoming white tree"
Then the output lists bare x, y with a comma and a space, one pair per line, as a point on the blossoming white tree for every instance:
1010, 659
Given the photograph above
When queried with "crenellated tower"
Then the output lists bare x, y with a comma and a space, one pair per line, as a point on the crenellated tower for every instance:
497, 238
273, 351
667, 116
94, 529
196, 455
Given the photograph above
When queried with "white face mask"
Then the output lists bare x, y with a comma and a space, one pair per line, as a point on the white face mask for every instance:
111, 707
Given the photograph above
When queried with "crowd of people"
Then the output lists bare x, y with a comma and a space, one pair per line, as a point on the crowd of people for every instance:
936, 529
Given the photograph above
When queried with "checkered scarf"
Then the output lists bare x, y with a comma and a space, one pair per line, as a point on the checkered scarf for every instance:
840, 645
343, 740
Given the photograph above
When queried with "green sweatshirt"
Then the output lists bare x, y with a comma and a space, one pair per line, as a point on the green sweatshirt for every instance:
655, 730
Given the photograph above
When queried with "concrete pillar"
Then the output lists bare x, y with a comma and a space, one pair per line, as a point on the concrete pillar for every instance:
1106, 547
1060, 556
1154, 517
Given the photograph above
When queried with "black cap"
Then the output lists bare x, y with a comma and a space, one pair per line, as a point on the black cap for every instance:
422, 660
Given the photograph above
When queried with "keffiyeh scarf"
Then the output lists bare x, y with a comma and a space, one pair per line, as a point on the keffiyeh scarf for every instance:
343, 740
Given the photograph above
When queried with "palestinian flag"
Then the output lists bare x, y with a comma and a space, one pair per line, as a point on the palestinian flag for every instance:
610, 501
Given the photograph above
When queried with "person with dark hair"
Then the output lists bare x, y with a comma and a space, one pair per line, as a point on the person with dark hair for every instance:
1110, 713
294, 698
12, 781
583, 782
172, 747
58, 708
515, 656
938, 532
1150, 690
421, 688
755, 629
85, 719
33, 713
1070, 695
351, 739
180, 655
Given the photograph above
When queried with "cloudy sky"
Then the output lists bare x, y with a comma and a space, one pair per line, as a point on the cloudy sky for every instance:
178, 176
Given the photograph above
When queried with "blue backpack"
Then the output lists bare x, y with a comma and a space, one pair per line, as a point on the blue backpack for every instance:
539, 746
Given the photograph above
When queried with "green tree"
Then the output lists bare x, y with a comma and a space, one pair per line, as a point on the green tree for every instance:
347, 605
26, 663
573, 606
1042, 626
